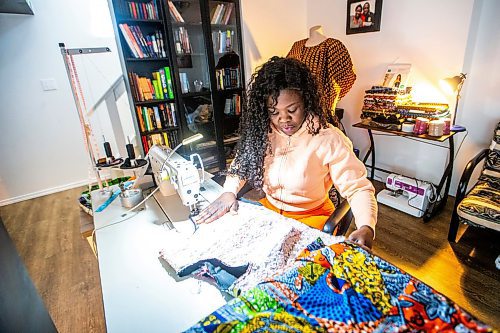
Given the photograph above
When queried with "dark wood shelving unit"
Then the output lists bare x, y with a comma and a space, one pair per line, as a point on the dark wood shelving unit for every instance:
192, 61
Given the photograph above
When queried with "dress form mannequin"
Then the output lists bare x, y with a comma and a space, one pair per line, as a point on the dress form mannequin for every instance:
316, 36
329, 60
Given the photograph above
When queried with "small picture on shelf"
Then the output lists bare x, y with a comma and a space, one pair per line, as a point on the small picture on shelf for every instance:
142, 10
221, 13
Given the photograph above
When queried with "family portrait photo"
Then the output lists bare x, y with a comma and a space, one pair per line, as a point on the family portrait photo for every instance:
363, 16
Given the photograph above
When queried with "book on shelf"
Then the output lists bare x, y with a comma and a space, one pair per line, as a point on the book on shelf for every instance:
221, 13
174, 13
181, 41
227, 13
223, 40
158, 88
228, 78
232, 105
163, 139
143, 10
184, 82
149, 46
158, 117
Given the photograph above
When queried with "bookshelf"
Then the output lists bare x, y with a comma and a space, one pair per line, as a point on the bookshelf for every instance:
206, 44
140, 28
198, 42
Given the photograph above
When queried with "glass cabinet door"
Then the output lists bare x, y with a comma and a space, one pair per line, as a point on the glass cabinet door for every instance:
227, 55
194, 77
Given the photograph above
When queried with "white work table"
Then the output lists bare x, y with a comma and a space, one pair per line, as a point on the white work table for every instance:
140, 294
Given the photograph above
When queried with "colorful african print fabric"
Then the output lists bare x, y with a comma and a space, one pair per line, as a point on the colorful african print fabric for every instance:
340, 288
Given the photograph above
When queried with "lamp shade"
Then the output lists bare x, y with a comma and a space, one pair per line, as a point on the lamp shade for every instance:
452, 84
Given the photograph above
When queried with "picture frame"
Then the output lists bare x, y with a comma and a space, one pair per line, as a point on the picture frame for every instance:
363, 16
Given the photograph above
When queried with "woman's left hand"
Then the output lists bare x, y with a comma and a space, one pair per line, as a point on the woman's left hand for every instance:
363, 237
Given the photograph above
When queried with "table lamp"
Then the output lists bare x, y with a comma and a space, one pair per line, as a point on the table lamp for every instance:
453, 85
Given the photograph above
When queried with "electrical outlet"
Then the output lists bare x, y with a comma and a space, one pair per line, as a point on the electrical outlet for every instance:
48, 84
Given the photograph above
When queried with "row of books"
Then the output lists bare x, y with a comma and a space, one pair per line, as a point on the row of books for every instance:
146, 89
143, 10
156, 117
222, 13
233, 105
228, 78
181, 41
223, 40
143, 46
168, 139
174, 13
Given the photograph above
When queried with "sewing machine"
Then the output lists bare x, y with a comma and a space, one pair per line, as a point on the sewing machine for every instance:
406, 194
176, 175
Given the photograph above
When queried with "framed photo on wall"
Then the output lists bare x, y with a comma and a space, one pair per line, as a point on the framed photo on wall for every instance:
363, 16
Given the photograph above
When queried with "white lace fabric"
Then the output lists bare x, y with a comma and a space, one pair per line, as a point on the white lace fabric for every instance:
267, 241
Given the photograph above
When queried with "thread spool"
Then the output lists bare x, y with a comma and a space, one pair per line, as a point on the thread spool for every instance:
130, 151
447, 126
407, 127
421, 126
436, 128
107, 149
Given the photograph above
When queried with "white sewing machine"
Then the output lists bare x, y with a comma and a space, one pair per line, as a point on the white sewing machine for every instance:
406, 194
176, 175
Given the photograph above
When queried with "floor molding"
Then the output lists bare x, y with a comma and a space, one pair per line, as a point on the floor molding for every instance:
44, 192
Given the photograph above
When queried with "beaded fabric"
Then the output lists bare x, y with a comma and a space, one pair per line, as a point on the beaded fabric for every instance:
331, 63
264, 240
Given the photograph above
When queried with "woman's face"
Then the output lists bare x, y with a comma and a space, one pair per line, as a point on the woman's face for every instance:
288, 114
358, 12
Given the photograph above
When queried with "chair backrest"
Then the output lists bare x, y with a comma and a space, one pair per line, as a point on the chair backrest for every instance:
492, 163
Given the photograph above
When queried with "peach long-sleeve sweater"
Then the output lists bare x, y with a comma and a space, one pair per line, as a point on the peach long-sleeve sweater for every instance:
301, 169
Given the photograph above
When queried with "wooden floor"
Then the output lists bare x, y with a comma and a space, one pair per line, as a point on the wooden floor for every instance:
64, 270
46, 233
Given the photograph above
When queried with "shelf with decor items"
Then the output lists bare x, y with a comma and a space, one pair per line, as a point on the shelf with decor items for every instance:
206, 44
141, 31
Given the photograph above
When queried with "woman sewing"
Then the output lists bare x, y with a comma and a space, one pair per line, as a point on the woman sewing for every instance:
288, 150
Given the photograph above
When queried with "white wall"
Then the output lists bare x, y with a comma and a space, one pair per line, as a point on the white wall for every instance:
435, 37
41, 145
479, 108
270, 28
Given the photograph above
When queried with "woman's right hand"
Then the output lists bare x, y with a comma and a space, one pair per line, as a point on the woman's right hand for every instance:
227, 202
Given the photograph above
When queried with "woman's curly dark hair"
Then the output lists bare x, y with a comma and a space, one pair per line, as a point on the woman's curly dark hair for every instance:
275, 75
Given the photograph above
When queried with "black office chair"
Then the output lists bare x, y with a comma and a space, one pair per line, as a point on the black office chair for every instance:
337, 224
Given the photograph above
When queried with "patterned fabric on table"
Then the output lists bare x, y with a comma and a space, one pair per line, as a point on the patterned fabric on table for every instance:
340, 288
481, 206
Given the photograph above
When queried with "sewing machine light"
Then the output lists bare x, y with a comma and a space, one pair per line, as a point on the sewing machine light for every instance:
184, 142
192, 139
